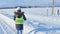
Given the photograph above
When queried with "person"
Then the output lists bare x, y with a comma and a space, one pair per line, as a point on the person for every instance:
19, 17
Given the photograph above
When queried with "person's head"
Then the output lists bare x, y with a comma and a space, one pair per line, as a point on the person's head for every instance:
18, 9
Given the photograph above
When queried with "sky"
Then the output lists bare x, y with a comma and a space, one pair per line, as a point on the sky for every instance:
8, 3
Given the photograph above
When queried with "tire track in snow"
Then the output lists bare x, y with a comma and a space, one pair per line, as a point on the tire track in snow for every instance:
7, 28
2, 31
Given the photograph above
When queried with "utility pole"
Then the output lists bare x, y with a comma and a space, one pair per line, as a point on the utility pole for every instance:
52, 7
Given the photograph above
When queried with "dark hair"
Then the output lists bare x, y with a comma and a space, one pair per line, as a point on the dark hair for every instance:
18, 13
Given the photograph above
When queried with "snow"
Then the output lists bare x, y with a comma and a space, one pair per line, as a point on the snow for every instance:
36, 19
7, 25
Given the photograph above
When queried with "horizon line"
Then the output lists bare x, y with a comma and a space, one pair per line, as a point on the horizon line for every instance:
27, 7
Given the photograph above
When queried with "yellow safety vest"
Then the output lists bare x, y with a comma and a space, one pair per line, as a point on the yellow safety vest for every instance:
19, 20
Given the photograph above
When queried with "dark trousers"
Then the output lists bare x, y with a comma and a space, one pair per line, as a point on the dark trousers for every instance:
19, 28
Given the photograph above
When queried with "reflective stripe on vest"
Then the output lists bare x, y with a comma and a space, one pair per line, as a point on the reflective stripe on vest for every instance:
19, 20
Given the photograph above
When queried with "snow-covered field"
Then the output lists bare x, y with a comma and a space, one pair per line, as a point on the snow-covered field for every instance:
37, 21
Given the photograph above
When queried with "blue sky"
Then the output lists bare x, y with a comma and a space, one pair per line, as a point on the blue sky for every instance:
6, 3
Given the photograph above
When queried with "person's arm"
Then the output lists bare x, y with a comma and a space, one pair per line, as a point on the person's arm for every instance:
14, 17
24, 17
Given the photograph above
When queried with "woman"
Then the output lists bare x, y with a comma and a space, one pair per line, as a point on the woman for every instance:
19, 17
